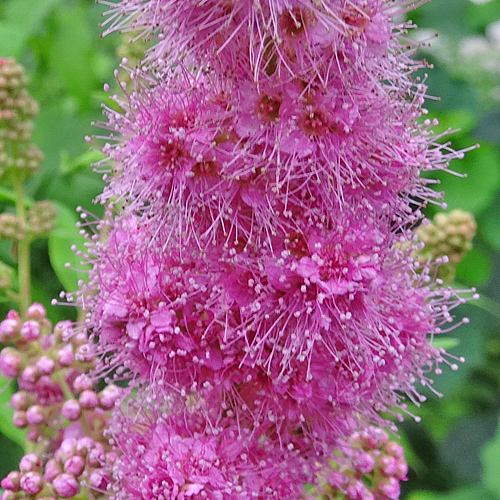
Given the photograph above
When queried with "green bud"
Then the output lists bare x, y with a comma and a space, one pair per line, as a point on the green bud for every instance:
448, 234
42, 217
18, 156
11, 227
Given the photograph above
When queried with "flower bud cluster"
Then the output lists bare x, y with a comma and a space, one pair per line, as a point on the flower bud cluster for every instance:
131, 52
51, 366
12, 227
369, 467
78, 464
448, 234
17, 109
42, 217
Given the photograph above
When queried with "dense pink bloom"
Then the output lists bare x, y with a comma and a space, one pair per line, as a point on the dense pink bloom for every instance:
179, 447
314, 332
264, 37
257, 271
233, 165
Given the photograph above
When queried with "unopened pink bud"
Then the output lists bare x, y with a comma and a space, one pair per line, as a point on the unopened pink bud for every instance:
63, 330
52, 469
394, 449
19, 419
99, 480
13, 314
374, 438
84, 445
109, 396
364, 462
88, 400
30, 330
367, 495
65, 356
20, 400
8, 495
84, 353
79, 339
34, 434
402, 470
356, 490
96, 456
46, 365
30, 463
111, 457
30, 374
9, 328
66, 449
71, 410
390, 488
32, 483
82, 382
35, 415
36, 311
10, 362
12, 481
65, 485
74, 465
388, 465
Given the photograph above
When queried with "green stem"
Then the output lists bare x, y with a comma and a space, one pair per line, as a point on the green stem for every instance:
12, 296
59, 377
24, 267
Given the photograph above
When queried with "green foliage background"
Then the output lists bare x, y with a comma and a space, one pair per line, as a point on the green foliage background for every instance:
454, 453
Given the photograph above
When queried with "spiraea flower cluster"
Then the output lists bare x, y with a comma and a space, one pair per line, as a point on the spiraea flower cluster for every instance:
256, 266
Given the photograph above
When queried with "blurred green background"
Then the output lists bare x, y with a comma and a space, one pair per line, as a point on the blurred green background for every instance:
454, 452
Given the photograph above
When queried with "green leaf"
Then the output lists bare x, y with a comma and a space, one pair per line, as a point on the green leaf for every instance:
6, 413
490, 456
61, 240
84, 161
71, 53
478, 492
8, 197
475, 268
479, 16
447, 19
445, 343
461, 120
29, 14
474, 194
11, 40
471, 345
22, 19
489, 225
